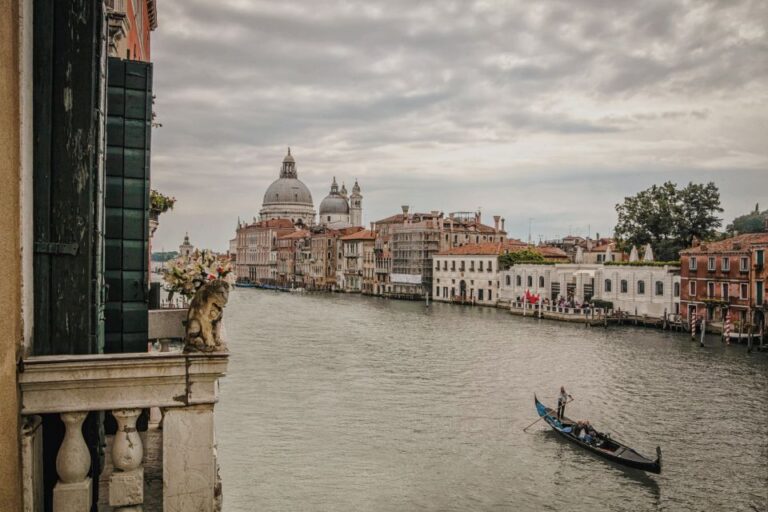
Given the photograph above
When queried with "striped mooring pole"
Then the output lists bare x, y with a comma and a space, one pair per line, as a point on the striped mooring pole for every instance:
693, 326
727, 329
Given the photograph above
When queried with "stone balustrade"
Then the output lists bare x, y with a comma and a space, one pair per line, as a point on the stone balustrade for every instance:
184, 386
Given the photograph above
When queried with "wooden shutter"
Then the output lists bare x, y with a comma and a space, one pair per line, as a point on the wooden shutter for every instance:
129, 117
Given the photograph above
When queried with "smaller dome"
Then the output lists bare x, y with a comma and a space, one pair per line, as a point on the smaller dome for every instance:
334, 204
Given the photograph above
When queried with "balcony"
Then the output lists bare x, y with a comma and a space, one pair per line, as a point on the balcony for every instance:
183, 386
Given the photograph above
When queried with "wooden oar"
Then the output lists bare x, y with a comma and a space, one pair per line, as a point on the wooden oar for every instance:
542, 417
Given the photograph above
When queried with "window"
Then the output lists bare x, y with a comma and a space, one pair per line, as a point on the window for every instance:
480, 294
541, 281
530, 281
608, 285
760, 258
509, 281
725, 264
659, 288
758, 293
744, 264
724, 291
676, 289
453, 265
461, 266
490, 296
692, 288
480, 265
518, 280
437, 264
710, 290
711, 263
641, 287
624, 286
490, 266
445, 264
744, 290
692, 263
472, 266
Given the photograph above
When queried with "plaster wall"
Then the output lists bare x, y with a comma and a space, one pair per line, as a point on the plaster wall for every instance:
10, 253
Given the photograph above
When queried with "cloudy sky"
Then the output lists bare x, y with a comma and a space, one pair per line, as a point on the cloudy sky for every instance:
551, 111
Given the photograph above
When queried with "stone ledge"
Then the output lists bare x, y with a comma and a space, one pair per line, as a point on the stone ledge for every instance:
100, 382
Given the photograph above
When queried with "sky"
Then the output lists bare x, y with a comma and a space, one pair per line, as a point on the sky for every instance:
546, 113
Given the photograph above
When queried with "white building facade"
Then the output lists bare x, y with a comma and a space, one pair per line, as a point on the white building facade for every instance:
466, 278
650, 290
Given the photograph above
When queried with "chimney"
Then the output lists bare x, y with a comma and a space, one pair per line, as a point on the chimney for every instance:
695, 242
502, 224
597, 237
405, 213
373, 227
496, 219
477, 217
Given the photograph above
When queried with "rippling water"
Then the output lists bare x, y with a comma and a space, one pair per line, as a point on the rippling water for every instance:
348, 403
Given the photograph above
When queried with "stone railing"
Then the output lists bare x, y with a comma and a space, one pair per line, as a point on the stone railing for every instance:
183, 386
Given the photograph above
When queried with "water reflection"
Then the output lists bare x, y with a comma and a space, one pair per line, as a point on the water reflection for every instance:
352, 403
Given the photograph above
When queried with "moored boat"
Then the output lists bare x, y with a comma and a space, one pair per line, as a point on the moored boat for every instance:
601, 445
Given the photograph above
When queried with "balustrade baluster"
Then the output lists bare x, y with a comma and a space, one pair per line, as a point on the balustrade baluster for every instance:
126, 485
72, 493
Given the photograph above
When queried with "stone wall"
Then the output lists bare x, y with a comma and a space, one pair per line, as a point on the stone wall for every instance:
10, 254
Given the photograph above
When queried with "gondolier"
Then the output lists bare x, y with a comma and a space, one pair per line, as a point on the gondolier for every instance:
562, 399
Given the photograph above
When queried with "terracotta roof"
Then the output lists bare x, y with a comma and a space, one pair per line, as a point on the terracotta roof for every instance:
729, 244
274, 223
365, 234
485, 249
551, 252
301, 233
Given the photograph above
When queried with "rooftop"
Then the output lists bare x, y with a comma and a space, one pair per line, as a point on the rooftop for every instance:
365, 234
733, 244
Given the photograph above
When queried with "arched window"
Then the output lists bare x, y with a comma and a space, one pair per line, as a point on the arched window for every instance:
624, 286
509, 281
677, 289
608, 285
518, 280
530, 281
541, 281
641, 287
659, 288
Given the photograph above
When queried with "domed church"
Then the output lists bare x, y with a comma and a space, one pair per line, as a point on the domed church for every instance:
338, 210
287, 197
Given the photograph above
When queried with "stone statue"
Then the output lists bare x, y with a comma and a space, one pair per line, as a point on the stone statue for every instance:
203, 327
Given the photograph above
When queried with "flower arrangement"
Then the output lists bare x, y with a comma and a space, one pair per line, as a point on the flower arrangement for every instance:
185, 275
160, 203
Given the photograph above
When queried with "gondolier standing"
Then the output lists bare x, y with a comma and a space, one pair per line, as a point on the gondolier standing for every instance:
562, 399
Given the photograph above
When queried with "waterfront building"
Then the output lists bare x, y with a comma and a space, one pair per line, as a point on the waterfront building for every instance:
356, 248
726, 277
470, 273
640, 290
289, 255
403, 266
186, 248
325, 269
288, 197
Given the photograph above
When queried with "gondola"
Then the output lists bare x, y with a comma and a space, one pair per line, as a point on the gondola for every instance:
603, 445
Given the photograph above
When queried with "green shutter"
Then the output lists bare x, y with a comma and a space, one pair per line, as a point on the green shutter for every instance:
129, 117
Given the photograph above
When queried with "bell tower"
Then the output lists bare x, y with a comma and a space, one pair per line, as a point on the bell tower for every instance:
356, 206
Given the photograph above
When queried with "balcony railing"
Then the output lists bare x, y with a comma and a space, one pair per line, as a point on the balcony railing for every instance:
184, 386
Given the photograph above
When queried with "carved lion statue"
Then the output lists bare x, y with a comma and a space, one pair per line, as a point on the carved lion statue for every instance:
203, 328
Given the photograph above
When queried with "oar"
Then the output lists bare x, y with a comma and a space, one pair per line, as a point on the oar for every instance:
542, 417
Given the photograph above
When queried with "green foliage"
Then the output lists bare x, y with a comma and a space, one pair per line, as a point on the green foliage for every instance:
160, 203
669, 217
675, 263
605, 304
525, 256
164, 256
752, 222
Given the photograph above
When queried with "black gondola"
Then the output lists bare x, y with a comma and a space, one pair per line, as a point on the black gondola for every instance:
601, 445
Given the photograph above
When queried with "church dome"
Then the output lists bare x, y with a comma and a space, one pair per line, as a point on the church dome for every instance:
287, 190
334, 203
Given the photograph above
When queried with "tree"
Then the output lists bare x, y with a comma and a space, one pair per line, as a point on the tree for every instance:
753, 222
668, 217
508, 259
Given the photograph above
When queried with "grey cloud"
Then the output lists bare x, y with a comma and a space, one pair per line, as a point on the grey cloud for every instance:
419, 99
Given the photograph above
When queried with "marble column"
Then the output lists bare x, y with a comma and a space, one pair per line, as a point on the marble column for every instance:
72, 493
189, 462
126, 485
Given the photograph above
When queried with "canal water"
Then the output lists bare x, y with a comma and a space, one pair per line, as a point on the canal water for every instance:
349, 403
